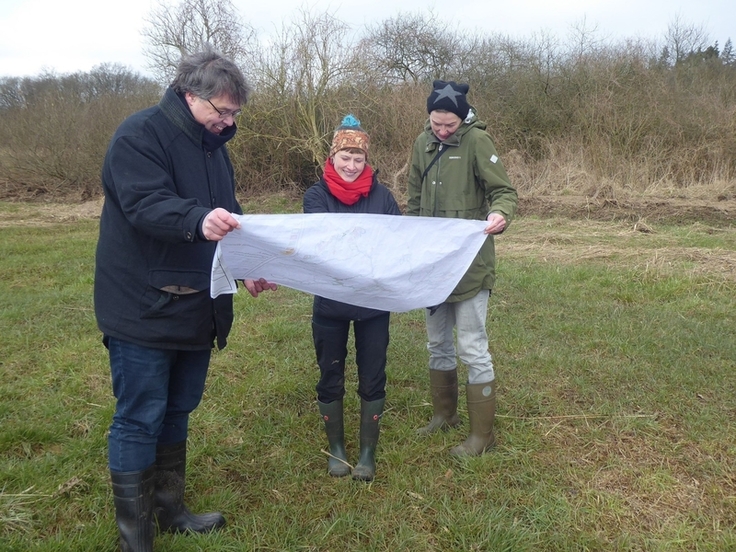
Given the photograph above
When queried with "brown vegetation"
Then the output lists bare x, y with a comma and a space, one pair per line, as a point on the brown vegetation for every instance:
635, 129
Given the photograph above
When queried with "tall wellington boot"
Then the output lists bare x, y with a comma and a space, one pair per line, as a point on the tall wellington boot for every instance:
337, 465
370, 419
171, 513
482, 412
133, 497
443, 386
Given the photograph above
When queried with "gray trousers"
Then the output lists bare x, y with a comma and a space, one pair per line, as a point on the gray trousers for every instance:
469, 319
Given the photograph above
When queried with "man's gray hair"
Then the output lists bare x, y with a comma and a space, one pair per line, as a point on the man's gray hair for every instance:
208, 74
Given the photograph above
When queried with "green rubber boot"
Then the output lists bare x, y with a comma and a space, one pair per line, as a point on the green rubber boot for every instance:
482, 412
171, 513
332, 415
443, 386
370, 420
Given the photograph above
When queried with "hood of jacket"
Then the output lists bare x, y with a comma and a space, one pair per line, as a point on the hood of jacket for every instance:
470, 122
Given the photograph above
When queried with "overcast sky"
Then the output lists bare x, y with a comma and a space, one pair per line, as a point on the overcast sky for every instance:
76, 35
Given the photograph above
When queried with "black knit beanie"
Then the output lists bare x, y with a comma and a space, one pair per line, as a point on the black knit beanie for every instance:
449, 96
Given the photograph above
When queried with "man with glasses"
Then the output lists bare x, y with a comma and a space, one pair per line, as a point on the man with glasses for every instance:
225, 114
169, 197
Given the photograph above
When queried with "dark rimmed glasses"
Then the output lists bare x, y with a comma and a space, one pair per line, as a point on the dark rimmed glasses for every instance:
225, 114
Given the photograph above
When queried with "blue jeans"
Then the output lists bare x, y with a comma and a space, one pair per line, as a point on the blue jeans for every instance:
468, 319
156, 390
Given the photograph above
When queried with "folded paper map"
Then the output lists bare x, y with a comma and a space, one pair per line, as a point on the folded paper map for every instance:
385, 262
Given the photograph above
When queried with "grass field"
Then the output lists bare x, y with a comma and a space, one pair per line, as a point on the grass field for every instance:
615, 352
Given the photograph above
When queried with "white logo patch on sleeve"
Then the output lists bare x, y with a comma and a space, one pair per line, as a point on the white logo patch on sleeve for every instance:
494, 158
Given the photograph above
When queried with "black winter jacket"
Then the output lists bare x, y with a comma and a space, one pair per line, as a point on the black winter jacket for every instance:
319, 199
161, 176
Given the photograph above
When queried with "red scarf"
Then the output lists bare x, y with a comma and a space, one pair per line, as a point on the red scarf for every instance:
348, 192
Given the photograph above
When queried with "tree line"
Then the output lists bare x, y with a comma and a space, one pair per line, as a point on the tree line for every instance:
577, 114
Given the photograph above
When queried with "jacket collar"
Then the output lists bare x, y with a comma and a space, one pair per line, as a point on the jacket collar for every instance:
175, 109
470, 121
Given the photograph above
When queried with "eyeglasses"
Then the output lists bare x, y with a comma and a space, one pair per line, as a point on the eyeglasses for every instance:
225, 114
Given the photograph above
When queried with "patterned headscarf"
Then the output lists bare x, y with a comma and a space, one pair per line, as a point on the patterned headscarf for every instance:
350, 135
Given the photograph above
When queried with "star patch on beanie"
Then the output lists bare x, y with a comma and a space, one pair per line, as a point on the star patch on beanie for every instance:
350, 135
449, 96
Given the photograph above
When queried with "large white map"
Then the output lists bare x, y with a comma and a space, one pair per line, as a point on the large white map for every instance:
385, 262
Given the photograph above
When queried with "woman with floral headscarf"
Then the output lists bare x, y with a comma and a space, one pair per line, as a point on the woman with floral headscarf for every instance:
350, 185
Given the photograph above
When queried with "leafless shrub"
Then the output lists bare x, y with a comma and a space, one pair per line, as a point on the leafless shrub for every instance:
413, 48
176, 29
66, 123
300, 76
579, 114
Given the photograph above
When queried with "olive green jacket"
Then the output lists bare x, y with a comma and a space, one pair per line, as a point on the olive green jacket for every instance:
467, 181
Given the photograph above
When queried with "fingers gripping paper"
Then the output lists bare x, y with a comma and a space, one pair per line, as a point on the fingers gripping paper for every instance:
385, 262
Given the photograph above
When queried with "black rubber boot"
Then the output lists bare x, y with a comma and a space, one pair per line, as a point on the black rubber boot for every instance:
133, 497
171, 513
332, 416
370, 420
443, 386
482, 412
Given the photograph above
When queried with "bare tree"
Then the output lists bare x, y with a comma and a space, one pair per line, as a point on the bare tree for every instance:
11, 93
296, 75
177, 29
116, 80
414, 48
584, 42
682, 40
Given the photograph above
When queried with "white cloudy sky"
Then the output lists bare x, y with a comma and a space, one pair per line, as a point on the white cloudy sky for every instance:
38, 35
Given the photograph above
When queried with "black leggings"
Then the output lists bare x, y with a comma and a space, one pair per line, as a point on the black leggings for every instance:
371, 343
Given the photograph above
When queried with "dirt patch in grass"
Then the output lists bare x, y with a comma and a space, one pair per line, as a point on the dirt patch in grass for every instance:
560, 229
48, 213
643, 210
626, 243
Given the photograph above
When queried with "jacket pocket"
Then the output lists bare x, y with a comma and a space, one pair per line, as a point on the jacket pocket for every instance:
181, 295
179, 282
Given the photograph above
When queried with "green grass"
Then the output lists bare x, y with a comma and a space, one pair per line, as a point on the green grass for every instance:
615, 355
